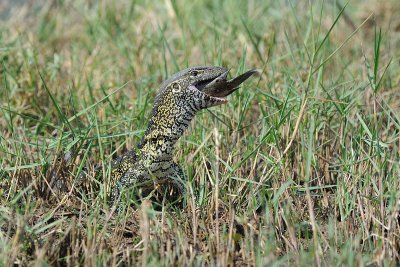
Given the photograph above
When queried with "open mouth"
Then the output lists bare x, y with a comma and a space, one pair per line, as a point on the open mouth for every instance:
220, 87
207, 83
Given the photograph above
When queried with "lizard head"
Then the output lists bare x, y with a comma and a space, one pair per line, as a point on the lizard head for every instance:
202, 85
185, 87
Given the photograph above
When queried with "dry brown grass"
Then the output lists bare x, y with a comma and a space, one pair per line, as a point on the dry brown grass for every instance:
301, 167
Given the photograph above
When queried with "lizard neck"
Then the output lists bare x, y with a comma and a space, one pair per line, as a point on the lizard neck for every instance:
162, 134
173, 110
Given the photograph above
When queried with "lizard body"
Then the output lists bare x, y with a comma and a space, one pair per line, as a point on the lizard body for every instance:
177, 101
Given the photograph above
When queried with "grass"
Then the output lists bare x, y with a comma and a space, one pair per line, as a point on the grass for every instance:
301, 167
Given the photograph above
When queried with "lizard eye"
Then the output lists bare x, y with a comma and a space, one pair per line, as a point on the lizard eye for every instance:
194, 73
175, 87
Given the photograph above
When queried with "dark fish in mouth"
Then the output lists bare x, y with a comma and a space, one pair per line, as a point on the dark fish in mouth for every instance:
220, 87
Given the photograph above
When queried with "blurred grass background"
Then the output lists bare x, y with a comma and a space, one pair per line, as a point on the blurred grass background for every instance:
300, 167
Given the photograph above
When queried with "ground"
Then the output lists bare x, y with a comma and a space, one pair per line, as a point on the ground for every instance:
301, 167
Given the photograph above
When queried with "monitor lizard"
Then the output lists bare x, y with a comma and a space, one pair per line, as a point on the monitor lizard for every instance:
179, 98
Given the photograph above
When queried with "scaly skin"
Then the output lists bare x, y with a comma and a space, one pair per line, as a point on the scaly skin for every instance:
176, 103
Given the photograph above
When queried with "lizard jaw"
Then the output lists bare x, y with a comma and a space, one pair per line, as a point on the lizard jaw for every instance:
202, 84
221, 87
218, 87
206, 83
